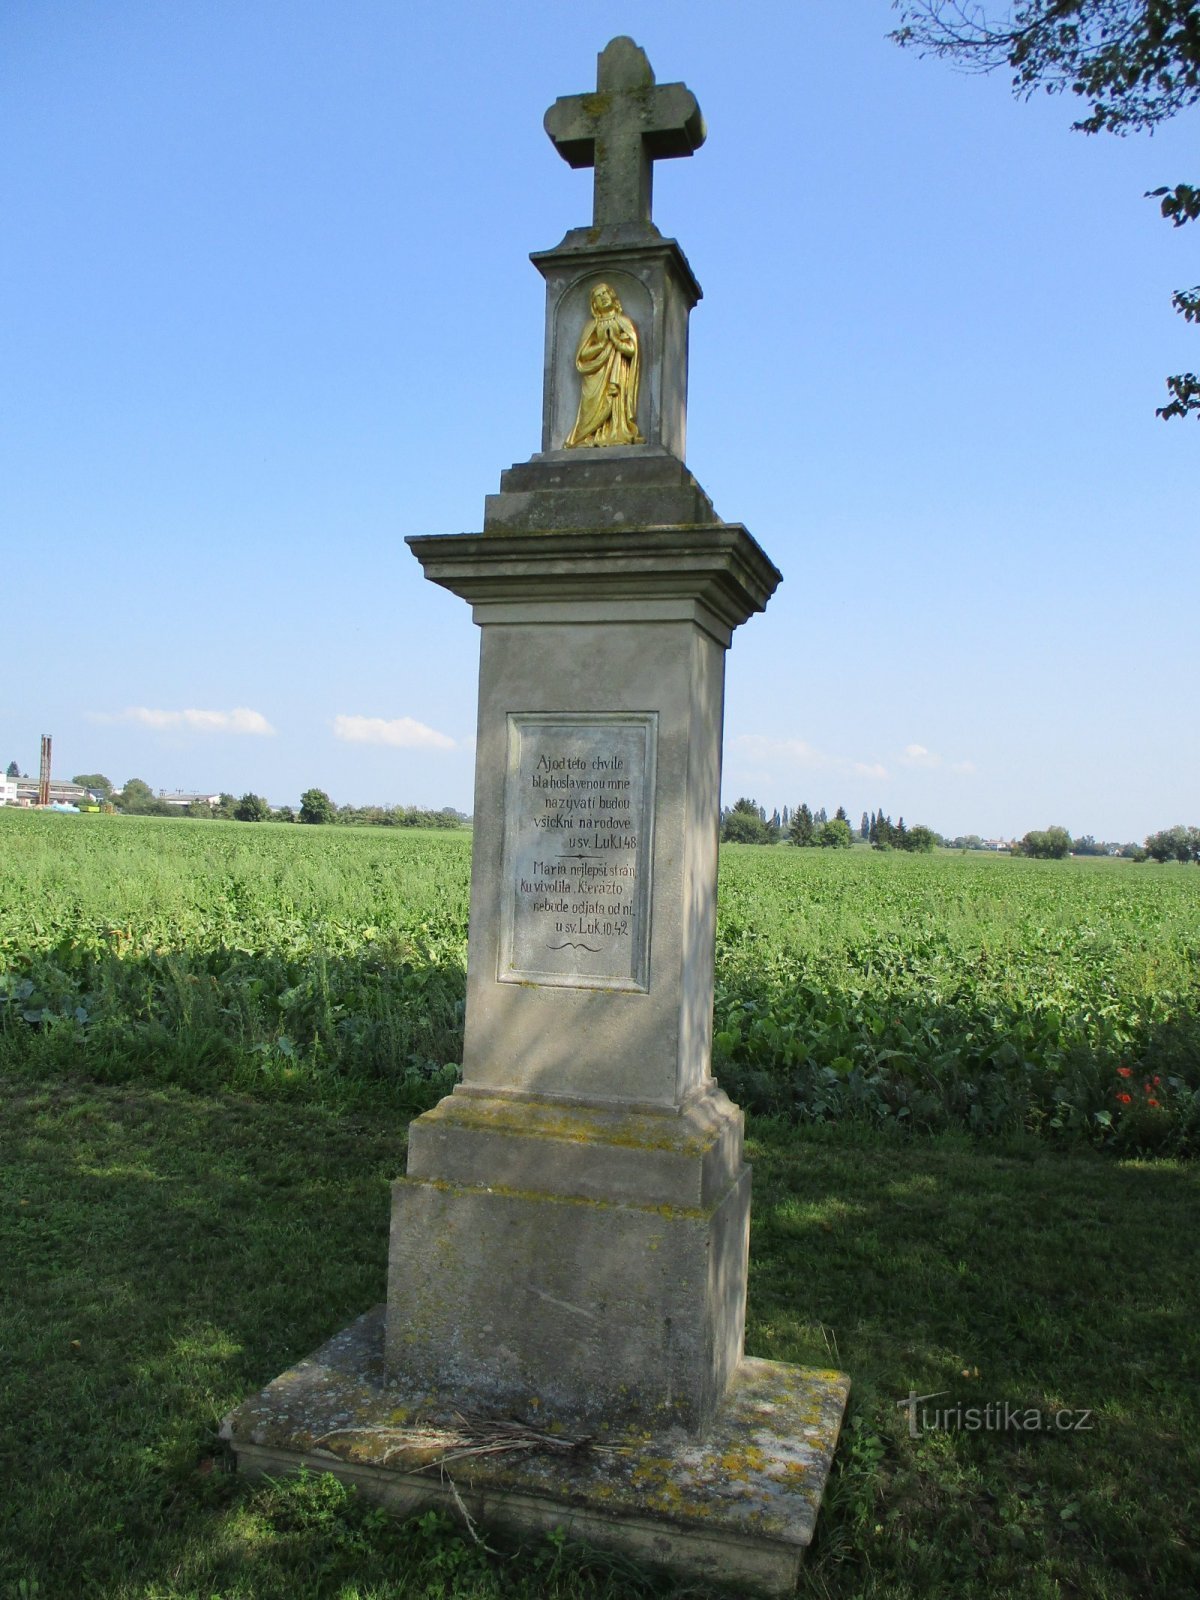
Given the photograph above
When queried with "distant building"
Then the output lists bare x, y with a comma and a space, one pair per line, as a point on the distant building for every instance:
70, 794
185, 797
8, 792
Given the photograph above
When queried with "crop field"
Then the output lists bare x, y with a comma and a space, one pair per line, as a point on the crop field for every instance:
974, 992
982, 992
212, 1035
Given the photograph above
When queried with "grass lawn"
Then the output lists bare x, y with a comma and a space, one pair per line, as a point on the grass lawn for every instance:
166, 1251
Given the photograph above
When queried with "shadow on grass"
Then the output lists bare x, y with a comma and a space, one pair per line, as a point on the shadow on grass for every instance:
168, 1252
1010, 1288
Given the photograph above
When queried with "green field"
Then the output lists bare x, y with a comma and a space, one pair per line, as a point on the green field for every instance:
212, 1035
974, 992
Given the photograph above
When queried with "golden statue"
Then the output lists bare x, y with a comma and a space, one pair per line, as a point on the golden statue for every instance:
610, 363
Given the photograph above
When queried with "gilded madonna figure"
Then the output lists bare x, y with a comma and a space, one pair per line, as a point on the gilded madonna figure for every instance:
609, 361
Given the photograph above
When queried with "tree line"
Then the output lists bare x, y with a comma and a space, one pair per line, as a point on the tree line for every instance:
1169, 844
1174, 844
138, 799
746, 822
316, 807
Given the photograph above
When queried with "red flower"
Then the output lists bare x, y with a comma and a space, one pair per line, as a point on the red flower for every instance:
1156, 1082
1125, 1099
1124, 1072
1152, 1103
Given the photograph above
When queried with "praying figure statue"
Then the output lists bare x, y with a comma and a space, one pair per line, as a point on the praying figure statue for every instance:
609, 360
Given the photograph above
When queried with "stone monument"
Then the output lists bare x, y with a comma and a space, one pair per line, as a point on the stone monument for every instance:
569, 1242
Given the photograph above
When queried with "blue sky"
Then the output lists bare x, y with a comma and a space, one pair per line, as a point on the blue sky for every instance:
268, 309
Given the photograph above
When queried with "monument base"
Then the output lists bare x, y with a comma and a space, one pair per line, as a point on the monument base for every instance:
588, 1261
737, 1506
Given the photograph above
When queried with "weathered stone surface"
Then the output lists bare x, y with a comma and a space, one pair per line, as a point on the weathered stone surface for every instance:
607, 623
622, 1205
624, 487
529, 1231
716, 575
622, 468
628, 123
606, 1311
684, 1158
738, 1507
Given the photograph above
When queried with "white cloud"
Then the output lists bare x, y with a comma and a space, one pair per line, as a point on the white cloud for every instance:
775, 758
794, 752
799, 754
404, 732
916, 755
240, 720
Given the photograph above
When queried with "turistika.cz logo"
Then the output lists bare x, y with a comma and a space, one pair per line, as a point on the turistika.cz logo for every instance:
997, 1416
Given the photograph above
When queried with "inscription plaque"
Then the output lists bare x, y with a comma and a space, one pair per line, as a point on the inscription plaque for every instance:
578, 838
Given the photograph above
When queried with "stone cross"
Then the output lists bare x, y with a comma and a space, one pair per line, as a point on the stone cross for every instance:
622, 129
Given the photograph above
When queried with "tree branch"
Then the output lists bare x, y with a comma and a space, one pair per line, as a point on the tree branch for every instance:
1185, 401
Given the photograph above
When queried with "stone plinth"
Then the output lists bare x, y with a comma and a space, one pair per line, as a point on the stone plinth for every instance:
593, 1259
629, 486
736, 1507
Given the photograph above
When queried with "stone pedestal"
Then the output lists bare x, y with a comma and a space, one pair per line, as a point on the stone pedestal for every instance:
597, 649
574, 1221
573, 1262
